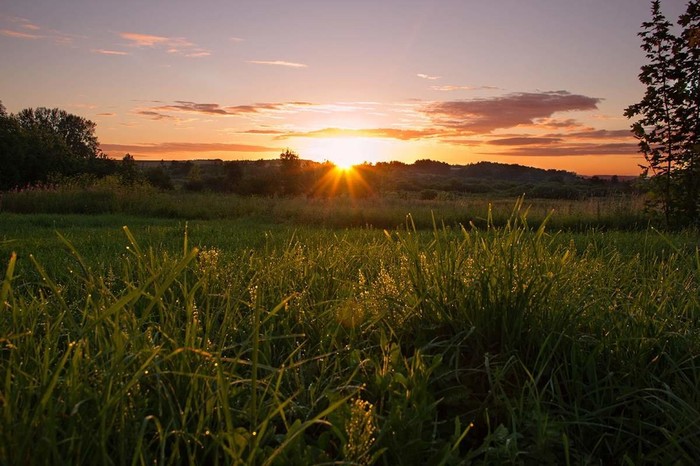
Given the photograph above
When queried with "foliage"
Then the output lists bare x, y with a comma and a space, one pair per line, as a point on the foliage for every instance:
669, 126
38, 144
159, 178
77, 132
290, 173
232, 345
128, 171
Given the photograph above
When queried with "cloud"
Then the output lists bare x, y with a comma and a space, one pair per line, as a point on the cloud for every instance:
24, 24
179, 147
481, 116
202, 53
524, 141
236, 39
578, 143
569, 149
143, 40
426, 76
262, 131
107, 114
109, 52
172, 45
20, 35
24, 29
216, 109
554, 123
390, 133
278, 63
155, 115
603, 134
464, 88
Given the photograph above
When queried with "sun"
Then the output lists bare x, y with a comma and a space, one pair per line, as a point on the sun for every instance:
344, 152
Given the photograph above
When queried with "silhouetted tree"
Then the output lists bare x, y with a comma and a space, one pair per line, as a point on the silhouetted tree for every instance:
668, 128
29, 156
76, 131
128, 171
194, 178
159, 177
290, 172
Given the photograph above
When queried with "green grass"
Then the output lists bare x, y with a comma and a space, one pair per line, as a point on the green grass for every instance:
388, 211
233, 342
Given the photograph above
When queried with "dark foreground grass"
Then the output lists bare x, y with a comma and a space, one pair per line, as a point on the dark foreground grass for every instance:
491, 346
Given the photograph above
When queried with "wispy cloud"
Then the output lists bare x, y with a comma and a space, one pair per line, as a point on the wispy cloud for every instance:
20, 34
107, 114
450, 88
217, 109
143, 40
22, 28
236, 39
602, 134
578, 143
426, 76
23, 25
183, 147
524, 141
109, 52
172, 45
154, 115
388, 133
262, 131
288, 64
573, 149
481, 116
554, 123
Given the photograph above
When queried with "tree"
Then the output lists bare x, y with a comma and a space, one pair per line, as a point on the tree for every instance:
159, 177
667, 129
77, 132
3, 110
28, 157
128, 171
689, 58
194, 179
290, 172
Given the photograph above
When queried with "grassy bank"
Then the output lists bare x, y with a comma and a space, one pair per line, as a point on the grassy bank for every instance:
300, 346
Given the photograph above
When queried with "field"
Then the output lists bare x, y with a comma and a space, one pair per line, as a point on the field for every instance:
304, 332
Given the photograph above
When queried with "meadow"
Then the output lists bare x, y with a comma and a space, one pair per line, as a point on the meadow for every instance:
376, 331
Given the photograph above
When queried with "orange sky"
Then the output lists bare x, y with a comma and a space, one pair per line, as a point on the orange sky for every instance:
542, 83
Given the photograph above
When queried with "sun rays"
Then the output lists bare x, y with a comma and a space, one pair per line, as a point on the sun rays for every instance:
342, 180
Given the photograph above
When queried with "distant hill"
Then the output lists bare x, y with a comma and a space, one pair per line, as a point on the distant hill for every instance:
515, 172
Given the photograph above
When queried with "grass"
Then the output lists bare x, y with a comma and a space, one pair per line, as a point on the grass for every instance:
231, 342
388, 211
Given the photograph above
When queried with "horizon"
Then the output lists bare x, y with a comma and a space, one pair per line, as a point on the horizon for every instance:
371, 164
542, 85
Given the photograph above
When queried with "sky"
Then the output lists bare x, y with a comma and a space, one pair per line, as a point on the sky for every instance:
542, 83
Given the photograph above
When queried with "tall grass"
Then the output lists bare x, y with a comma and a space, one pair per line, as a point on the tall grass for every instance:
493, 345
389, 211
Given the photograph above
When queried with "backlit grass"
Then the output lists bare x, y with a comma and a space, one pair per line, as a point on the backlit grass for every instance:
208, 345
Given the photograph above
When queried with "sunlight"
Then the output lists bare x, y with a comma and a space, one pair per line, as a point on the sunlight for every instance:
344, 152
